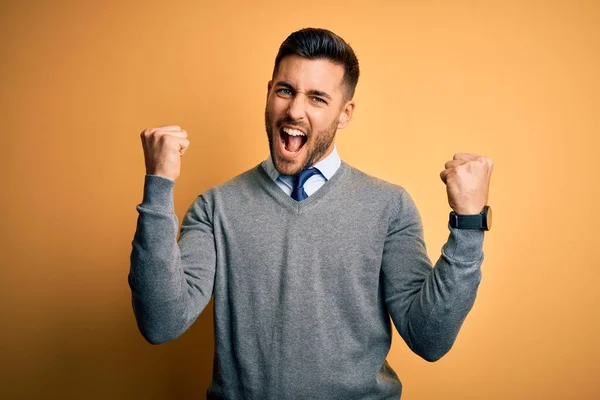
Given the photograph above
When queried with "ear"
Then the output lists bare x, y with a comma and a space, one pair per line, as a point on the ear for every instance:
269, 86
346, 114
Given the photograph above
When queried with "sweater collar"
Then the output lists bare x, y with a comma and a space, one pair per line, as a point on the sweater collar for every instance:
328, 166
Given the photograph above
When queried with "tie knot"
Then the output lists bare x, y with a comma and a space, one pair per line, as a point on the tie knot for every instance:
298, 192
303, 176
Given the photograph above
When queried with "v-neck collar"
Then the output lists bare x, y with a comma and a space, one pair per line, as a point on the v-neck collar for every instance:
298, 206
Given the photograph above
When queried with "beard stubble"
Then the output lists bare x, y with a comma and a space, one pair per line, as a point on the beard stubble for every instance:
322, 142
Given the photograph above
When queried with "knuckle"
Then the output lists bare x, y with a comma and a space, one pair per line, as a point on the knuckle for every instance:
154, 135
163, 138
485, 162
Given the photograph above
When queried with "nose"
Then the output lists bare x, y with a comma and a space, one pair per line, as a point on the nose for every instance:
296, 108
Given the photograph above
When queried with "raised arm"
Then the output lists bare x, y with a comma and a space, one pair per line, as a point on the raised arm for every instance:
171, 281
429, 304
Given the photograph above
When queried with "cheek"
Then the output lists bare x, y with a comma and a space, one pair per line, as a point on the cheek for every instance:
276, 106
321, 120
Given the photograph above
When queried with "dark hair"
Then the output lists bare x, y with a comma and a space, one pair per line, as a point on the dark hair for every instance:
315, 43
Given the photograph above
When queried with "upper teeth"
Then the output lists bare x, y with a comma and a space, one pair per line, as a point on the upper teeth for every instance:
293, 132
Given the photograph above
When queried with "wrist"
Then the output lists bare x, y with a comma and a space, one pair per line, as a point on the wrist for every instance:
468, 210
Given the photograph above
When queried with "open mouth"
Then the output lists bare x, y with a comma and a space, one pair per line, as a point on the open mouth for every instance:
292, 139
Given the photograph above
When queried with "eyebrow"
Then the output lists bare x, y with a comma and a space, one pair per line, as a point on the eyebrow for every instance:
312, 92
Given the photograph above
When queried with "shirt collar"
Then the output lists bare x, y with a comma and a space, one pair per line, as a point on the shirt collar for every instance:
328, 166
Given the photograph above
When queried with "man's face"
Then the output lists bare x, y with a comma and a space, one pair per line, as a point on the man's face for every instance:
305, 107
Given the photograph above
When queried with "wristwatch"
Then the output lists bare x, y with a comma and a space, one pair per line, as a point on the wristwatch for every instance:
477, 221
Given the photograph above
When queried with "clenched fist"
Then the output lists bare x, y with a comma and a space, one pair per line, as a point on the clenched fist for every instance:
467, 179
163, 148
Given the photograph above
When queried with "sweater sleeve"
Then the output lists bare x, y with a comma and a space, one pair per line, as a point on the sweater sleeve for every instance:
171, 280
428, 304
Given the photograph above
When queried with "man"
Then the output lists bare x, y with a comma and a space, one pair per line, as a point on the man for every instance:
306, 257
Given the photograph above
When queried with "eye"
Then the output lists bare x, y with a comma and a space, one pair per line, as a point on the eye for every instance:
284, 91
319, 100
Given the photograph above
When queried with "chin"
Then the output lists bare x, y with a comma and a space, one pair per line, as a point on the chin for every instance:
287, 167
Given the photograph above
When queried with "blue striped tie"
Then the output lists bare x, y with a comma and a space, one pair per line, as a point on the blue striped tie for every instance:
298, 192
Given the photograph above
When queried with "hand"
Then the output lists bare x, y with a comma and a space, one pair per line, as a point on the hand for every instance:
163, 148
467, 179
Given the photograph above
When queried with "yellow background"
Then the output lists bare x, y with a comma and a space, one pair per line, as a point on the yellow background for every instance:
515, 80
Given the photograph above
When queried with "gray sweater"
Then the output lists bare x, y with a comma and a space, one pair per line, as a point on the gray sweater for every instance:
303, 291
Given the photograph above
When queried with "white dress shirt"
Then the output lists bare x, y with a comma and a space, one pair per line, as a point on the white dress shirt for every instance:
327, 168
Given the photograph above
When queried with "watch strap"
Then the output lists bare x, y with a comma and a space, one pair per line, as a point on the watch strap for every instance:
466, 221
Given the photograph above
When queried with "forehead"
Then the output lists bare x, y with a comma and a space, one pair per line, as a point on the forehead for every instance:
305, 74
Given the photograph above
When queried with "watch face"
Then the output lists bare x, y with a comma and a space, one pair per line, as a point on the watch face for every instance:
488, 221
